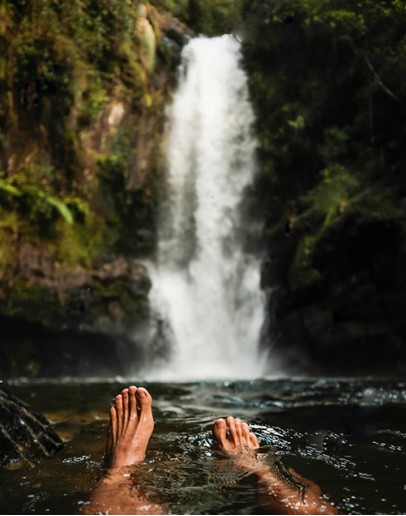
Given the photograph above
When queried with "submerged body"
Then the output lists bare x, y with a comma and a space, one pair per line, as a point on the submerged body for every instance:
131, 426
349, 436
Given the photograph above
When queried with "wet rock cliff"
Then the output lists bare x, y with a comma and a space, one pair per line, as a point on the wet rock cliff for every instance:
330, 103
84, 88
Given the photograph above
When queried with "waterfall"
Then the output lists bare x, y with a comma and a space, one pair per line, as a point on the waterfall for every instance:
206, 296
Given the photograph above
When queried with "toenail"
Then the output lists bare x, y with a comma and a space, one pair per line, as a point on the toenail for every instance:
141, 394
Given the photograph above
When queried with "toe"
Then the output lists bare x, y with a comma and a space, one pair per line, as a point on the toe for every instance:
126, 410
232, 429
124, 396
113, 423
112, 429
113, 420
144, 400
132, 401
119, 411
245, 434
238, 430
219, 431
254, 441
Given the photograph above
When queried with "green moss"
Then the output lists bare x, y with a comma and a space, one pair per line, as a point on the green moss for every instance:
37, 204
76, 244
214, 17
8, 232
302, 273
29, 301
62, 65
65, 226
374, 204
329, 103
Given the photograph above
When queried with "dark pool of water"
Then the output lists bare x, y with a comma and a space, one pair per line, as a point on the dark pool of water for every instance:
348, 436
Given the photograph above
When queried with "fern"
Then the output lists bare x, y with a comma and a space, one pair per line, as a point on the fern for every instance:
36, 197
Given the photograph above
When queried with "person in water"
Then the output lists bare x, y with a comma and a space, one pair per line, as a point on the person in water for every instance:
129, 431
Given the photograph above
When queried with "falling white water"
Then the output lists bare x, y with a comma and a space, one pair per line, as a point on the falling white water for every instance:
206, 291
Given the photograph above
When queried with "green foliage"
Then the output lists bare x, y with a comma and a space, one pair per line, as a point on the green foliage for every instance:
302, 272
61, 62
209, 17
331, 195
60, 65
327, 80
178, 8
9, 225
214, 17
77, 244
25, 299
93, 99
376, 204
16, 194
65, 225
130, 215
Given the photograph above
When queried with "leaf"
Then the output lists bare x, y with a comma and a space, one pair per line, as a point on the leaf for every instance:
7, 187
64, 211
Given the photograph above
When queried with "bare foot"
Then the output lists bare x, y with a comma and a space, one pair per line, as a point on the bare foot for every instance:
131, 426
284, 491
239, 438
236, 440
128, 434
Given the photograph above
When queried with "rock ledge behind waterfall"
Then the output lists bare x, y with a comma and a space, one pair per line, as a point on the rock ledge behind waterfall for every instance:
59, 321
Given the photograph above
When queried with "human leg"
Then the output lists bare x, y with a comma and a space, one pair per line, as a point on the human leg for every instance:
128, 434
285, 492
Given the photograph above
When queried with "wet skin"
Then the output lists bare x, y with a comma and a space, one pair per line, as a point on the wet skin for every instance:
128, 434
130, 428
278, 496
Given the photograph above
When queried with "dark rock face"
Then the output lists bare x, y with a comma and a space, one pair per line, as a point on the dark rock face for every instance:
351, 317
30, 350
331, 188
24, 433
106, 297
71, 322
71, 293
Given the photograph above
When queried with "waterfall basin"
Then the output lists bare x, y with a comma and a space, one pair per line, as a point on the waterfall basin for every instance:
349, 436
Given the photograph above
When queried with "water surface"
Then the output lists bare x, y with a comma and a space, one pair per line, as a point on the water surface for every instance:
348, 436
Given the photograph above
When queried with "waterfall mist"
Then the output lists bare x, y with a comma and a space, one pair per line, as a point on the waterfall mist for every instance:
206, 300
